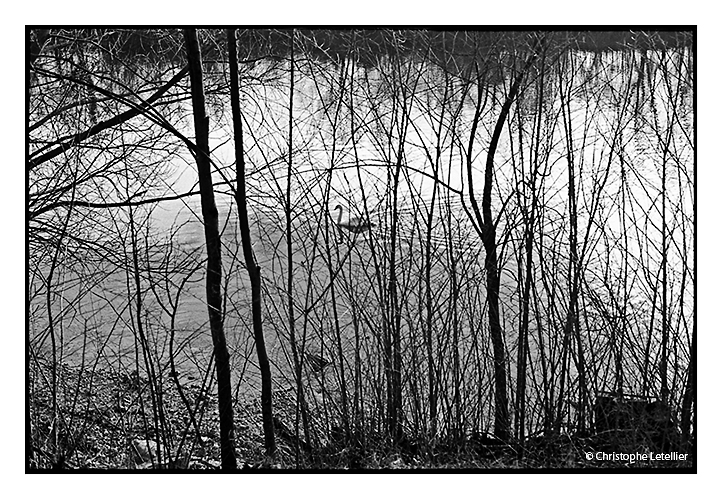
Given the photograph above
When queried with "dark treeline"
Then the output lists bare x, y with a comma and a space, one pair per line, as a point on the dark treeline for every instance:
366, 45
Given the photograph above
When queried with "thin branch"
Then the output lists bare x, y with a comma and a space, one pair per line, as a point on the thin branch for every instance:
136, 109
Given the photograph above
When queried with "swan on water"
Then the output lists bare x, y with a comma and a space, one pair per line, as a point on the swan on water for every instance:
353, 224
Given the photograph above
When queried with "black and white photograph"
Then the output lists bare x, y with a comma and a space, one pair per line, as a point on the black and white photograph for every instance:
390, 249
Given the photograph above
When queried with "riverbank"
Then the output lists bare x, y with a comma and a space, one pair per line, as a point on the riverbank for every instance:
112, 420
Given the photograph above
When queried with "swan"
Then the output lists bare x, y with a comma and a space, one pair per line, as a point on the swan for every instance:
353, 224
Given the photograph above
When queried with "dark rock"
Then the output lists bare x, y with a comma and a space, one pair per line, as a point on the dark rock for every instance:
635, 419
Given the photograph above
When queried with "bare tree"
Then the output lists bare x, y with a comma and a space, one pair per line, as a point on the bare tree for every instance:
251, 266
486, 224
213, 247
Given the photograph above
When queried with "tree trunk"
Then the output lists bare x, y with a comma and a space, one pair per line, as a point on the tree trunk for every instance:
253, 269
689, 395
572, 319
213, 247
487, 228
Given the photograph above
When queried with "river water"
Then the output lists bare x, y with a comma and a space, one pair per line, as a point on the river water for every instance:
347, 155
